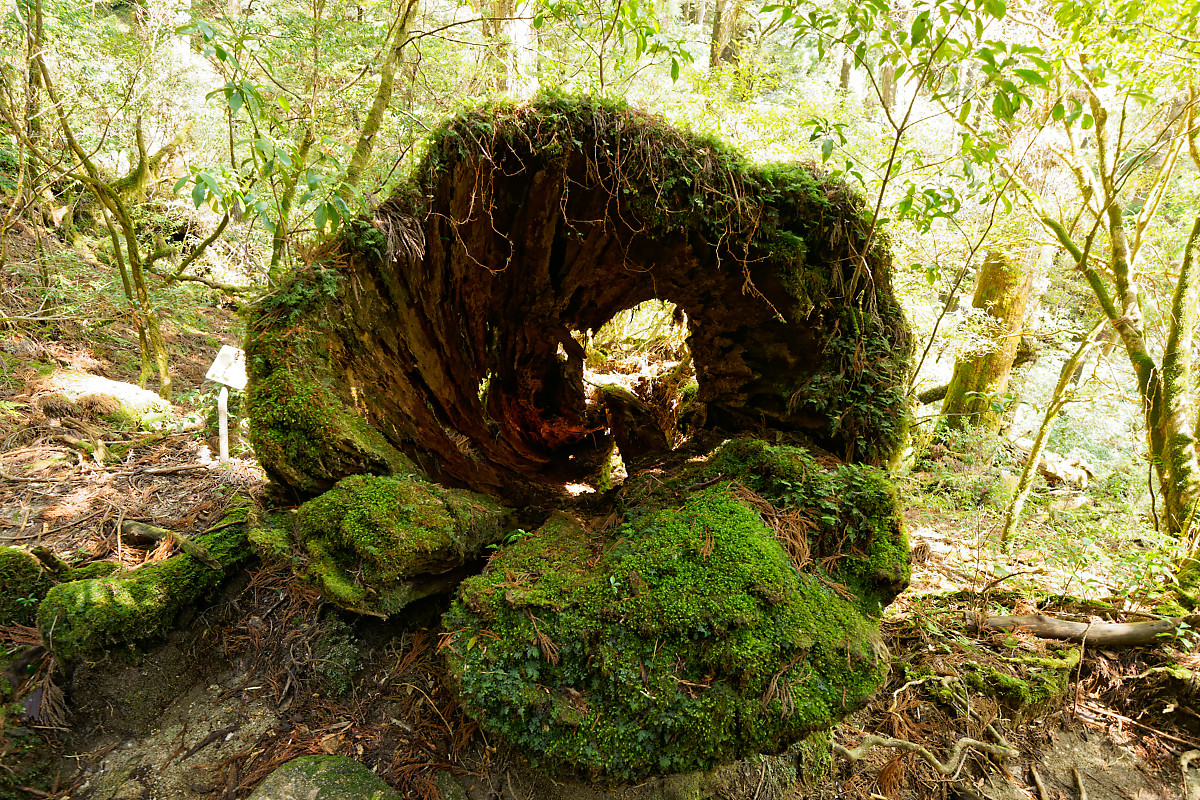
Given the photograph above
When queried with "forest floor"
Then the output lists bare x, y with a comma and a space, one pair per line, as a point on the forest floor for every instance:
266, 671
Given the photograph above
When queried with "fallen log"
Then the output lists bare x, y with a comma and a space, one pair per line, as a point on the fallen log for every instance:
1097, 634
132, 531
80, 618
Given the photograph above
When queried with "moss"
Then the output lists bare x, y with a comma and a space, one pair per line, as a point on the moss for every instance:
370, 533
814, 757
685, 640
305, 434
85, 616
23, 584
271, 534
336, 656
322, 777
1038, 689
853, 511
302, 433
96, 569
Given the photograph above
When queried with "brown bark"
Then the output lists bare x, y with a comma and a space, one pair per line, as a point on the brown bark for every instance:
725, 17
454, 340
1001, 289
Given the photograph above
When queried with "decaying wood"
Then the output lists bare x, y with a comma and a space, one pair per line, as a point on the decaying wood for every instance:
131, 531
1043, 792
1096, 634
454, 333
51, 562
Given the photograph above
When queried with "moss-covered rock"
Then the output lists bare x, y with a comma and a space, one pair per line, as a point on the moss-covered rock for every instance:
86, 396
23, 584
323, 777
371, 540
683, 640
82, 617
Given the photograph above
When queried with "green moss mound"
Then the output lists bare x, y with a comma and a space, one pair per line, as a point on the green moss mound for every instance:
23, 584
83, 617
684, 640
852, 510
370, 535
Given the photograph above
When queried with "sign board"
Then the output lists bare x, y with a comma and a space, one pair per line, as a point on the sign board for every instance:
229, 368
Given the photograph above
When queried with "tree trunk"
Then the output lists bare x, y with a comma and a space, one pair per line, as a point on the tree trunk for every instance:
887, 87
1173, 422
1001, 289
451, 340
1067, 381
383, 97
281, 238
725, 16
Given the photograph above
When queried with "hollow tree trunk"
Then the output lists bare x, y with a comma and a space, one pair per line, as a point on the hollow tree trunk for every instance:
1001, 289
450, 339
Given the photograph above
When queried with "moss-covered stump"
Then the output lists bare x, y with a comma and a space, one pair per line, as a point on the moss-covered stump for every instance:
446, 327
687, 637
83, 617
376, 543
23, 584
844, 516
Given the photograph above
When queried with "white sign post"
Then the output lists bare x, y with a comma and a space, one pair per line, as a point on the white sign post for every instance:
229, 369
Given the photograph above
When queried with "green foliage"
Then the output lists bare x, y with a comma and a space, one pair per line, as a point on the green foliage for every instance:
301, 292
852, 510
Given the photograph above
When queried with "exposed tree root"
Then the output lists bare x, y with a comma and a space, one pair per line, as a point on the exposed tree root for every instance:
952, 765
136, 530
1096, 634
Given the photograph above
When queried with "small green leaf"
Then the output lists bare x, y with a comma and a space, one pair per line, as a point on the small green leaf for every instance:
674, 69
826, 149
1058, 112
198, 192
920, 29
1087, 122
1031, 76
213, 187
